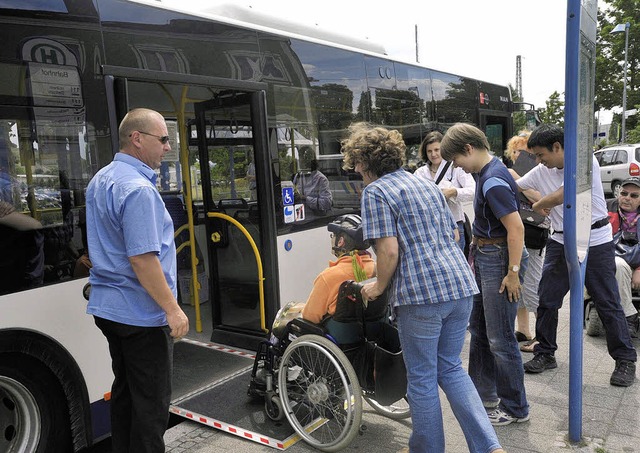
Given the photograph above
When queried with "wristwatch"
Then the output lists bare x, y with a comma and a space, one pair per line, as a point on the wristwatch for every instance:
515, 268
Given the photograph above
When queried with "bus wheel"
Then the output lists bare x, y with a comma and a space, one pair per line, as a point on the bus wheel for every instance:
33, 410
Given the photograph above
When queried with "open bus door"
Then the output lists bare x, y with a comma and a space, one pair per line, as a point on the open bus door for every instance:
498, 127
240, 227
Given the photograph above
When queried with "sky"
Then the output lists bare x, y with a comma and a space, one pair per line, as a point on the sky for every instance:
478, 39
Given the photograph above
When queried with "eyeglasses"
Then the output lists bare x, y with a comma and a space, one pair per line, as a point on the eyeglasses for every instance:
164, 139
634, 195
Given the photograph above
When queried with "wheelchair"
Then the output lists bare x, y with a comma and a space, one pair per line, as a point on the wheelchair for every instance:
592, 323
316, 375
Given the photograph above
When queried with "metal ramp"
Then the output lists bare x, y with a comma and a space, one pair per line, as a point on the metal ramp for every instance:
222, 401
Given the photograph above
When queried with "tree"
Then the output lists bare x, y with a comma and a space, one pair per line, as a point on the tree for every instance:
553, 112
610, 58
519, 118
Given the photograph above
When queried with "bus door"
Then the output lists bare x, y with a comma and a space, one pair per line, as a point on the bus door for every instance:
498, 129
240, 227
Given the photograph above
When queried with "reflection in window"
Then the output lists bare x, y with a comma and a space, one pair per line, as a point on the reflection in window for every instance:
45, 166
607, 157
455, 98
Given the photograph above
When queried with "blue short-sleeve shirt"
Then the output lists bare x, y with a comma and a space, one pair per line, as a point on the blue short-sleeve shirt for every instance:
496, 196
127, 217
431, 267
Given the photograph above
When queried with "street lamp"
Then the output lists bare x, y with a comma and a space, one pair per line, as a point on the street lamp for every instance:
624, 28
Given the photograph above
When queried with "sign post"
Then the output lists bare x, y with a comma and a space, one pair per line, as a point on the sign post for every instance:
578, 165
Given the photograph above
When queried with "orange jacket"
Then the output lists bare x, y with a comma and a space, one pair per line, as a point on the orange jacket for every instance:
324, 295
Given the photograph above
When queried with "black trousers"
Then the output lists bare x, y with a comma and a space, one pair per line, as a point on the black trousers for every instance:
600, 280
142, 362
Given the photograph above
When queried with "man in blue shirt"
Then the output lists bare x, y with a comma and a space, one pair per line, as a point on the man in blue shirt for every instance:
431, 286
133, 278
499, 259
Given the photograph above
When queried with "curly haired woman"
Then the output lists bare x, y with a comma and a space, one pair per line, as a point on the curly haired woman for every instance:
431, 286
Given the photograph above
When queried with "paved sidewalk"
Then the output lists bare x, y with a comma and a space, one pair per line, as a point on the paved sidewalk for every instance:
611, 415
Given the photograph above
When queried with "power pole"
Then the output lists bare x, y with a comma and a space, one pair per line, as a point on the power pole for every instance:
417, 55
519, 77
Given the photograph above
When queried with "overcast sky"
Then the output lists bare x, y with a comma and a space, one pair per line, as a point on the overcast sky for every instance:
479, 39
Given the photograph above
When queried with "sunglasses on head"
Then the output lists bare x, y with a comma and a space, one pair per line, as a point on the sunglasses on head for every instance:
634, 195
164, 139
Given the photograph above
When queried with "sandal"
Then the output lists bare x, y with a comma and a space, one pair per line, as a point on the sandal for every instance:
529, 345
520, 337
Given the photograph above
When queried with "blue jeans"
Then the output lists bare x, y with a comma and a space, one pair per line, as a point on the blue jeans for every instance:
600, 280
462, 242
432, 336
495, 362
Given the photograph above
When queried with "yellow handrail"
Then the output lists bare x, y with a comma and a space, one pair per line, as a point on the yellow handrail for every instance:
256, 252
188, 199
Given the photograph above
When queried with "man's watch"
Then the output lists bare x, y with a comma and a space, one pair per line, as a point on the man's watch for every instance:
515, 268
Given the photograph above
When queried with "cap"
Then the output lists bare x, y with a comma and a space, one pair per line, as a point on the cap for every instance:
635, 181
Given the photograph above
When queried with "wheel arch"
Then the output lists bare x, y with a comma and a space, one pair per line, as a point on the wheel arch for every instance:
57, 359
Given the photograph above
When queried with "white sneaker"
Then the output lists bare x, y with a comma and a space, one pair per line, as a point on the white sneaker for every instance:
498, 417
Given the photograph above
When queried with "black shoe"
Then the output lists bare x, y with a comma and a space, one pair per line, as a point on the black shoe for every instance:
540, 362
624, 374
633, 322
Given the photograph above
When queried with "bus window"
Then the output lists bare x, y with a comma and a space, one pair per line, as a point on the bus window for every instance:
45, 165
455, 98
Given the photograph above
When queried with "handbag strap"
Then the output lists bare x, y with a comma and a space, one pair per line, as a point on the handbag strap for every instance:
443, 172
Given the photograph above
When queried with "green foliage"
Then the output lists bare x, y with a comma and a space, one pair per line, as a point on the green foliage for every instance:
519, 118
610, 56
553, 112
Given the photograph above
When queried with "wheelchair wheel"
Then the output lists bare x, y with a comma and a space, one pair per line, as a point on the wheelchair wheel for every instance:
320, 393
593, 324
274, 410
396, 411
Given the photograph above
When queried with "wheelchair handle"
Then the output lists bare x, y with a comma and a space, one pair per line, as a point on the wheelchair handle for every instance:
356, 288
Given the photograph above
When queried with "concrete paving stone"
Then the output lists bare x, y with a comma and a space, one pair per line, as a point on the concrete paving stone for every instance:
593, 413
626, 427
629, 413
622, 443
595, 429
632, 396
611, 401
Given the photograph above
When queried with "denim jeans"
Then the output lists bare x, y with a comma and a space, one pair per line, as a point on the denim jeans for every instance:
432, 336
462, 243
600, 280
495, 362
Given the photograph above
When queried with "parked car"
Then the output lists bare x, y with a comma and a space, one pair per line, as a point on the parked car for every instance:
617, 163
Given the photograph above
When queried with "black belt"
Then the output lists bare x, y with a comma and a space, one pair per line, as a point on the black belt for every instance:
594, 226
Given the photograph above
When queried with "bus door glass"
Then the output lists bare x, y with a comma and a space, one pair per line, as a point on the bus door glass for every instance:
227, 158
497, 129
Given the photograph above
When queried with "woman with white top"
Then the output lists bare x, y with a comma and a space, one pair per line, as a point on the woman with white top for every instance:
457, 185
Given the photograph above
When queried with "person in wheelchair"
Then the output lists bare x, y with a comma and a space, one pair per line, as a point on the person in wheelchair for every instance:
624, 213
353, 263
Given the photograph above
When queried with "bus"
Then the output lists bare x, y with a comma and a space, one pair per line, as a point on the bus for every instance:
249, 102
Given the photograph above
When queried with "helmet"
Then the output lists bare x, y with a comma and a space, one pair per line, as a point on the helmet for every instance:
349, 226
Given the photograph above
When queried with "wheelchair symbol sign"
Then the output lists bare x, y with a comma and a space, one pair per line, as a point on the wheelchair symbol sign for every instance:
287, 196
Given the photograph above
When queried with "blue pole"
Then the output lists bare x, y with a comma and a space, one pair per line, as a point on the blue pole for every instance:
576, 270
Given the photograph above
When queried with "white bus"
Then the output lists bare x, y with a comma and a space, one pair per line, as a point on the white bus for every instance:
238, 96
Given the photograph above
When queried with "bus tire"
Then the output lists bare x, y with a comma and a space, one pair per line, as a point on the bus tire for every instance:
33, 409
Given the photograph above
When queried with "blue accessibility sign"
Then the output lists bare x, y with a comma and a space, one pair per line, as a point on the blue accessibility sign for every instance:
287, 196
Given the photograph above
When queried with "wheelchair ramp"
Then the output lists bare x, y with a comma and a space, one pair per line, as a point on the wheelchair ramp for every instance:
210, 387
